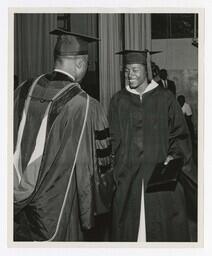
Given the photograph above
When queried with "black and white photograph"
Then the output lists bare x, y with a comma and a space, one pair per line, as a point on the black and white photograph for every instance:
105, 127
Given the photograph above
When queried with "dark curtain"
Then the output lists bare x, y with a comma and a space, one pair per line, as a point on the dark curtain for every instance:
33, 46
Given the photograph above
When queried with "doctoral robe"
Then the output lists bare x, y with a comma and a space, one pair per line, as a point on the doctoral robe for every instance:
143, 132
60, 187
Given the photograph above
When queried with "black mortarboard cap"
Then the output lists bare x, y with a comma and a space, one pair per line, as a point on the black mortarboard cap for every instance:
70, 43
136, 56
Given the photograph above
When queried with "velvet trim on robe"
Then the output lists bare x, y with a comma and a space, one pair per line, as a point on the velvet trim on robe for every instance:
38, 214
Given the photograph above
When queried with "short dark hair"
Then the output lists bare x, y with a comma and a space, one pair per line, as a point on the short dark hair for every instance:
181, 97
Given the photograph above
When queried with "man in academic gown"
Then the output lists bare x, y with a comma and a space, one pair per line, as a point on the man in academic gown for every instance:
147, 127
62, 151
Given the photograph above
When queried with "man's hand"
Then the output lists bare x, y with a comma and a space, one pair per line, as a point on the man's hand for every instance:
168, 159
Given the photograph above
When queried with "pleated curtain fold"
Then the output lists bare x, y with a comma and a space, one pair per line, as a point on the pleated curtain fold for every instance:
33, 53
110, 33
137, 31
118, 31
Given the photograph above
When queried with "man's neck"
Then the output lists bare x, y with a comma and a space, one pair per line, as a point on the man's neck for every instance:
64, 72
142, 87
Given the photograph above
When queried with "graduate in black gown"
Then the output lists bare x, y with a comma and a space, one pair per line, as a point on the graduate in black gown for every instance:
147, 127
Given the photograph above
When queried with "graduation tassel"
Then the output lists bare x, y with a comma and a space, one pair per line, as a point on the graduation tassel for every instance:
149, 68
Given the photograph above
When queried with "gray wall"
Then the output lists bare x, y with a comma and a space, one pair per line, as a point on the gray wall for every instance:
180, 58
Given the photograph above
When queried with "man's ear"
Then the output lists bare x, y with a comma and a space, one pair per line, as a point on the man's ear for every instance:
79, 62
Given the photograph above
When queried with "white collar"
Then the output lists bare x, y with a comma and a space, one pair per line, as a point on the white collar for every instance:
64, 72
149, 87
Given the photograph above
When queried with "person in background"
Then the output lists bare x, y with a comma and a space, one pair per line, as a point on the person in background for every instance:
147, 127
186, 109
62, 153
155, 71
187, 112
165, 82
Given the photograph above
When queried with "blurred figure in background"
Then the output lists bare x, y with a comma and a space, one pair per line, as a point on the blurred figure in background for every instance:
186, 109
165, 82
155, 71
187, 113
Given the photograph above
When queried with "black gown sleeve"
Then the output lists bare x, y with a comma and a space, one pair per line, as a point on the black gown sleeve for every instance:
179, 138
114, 124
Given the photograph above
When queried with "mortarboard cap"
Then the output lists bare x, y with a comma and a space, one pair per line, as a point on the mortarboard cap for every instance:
136, 56
71, 44
139, 57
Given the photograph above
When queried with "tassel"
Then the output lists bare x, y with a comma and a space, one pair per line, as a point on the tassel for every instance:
149, 68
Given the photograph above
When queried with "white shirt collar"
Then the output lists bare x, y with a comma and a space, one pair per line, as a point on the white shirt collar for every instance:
64, 72
150, 87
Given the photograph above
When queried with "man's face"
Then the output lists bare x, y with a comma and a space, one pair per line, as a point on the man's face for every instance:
135, 75
163, 75
181, 101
